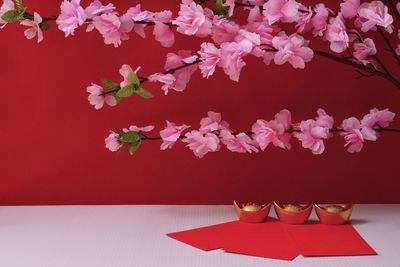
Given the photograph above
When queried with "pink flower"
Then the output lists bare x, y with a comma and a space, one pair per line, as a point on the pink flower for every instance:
201, 144
112, 142
97, 99
313, 132
293, 49
192, 20
349, 8
354, 135
336, 34
171, 134
210, 57
240, 143
114, 29
183, 75
224, 30
284, 10
232, 59
320, 19
213, 122
231, 5
124, 71
34, 27
134, 128
72, 15
274, 131
97, 8
265, 32
136, 14
304, 23
249, 41
167, 79
363, 50
375, 13
378, 117
162, 31
6, 6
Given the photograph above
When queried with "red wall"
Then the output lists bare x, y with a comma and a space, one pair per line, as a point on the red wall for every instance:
52, 141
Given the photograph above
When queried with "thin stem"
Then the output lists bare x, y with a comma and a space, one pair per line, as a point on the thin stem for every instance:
384, 75
389, 44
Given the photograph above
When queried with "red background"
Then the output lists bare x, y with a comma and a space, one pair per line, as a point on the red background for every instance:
52, 141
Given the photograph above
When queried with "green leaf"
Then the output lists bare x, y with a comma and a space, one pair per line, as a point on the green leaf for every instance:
44, 25
123, 147
133, 78
134, 147
20, 6
11, 16
220, 9
144, 93
130, 137
126, 91
109, 85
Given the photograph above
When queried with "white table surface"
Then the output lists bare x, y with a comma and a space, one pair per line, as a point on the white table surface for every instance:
134, 236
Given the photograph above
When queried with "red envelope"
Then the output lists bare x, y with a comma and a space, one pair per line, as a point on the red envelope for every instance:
277, 240
263, 240
315, 239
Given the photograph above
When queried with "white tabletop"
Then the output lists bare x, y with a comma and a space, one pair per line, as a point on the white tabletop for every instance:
134, 236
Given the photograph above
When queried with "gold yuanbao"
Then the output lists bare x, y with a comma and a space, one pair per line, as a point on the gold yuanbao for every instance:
334, 209
251, 207
292, 208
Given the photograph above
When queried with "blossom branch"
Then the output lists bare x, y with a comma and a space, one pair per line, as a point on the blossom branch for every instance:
213, 131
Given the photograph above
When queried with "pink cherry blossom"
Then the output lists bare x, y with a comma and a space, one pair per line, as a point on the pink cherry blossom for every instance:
281, 10
231, 6
124, 71
183, 75
349, 8
97, 99
374, 14
192, 20
240, 143
171, 134
97, 8
210, 57
162, 31
223, 30
293, 49
354, 134
232, 59
112, 142
313, 132
114, 29
213, 122
304, 21
136, 14
34, 27
168, 81
336, 34
320, 19
72, 15
134, 128
249, 41
201, 144
6, 6
363, 50
265, 32
378, 117
274, 131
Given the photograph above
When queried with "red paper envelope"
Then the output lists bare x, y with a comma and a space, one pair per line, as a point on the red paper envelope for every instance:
315, 239
277, 240
264, 240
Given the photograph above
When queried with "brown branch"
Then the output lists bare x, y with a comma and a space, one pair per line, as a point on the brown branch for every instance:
389, 44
